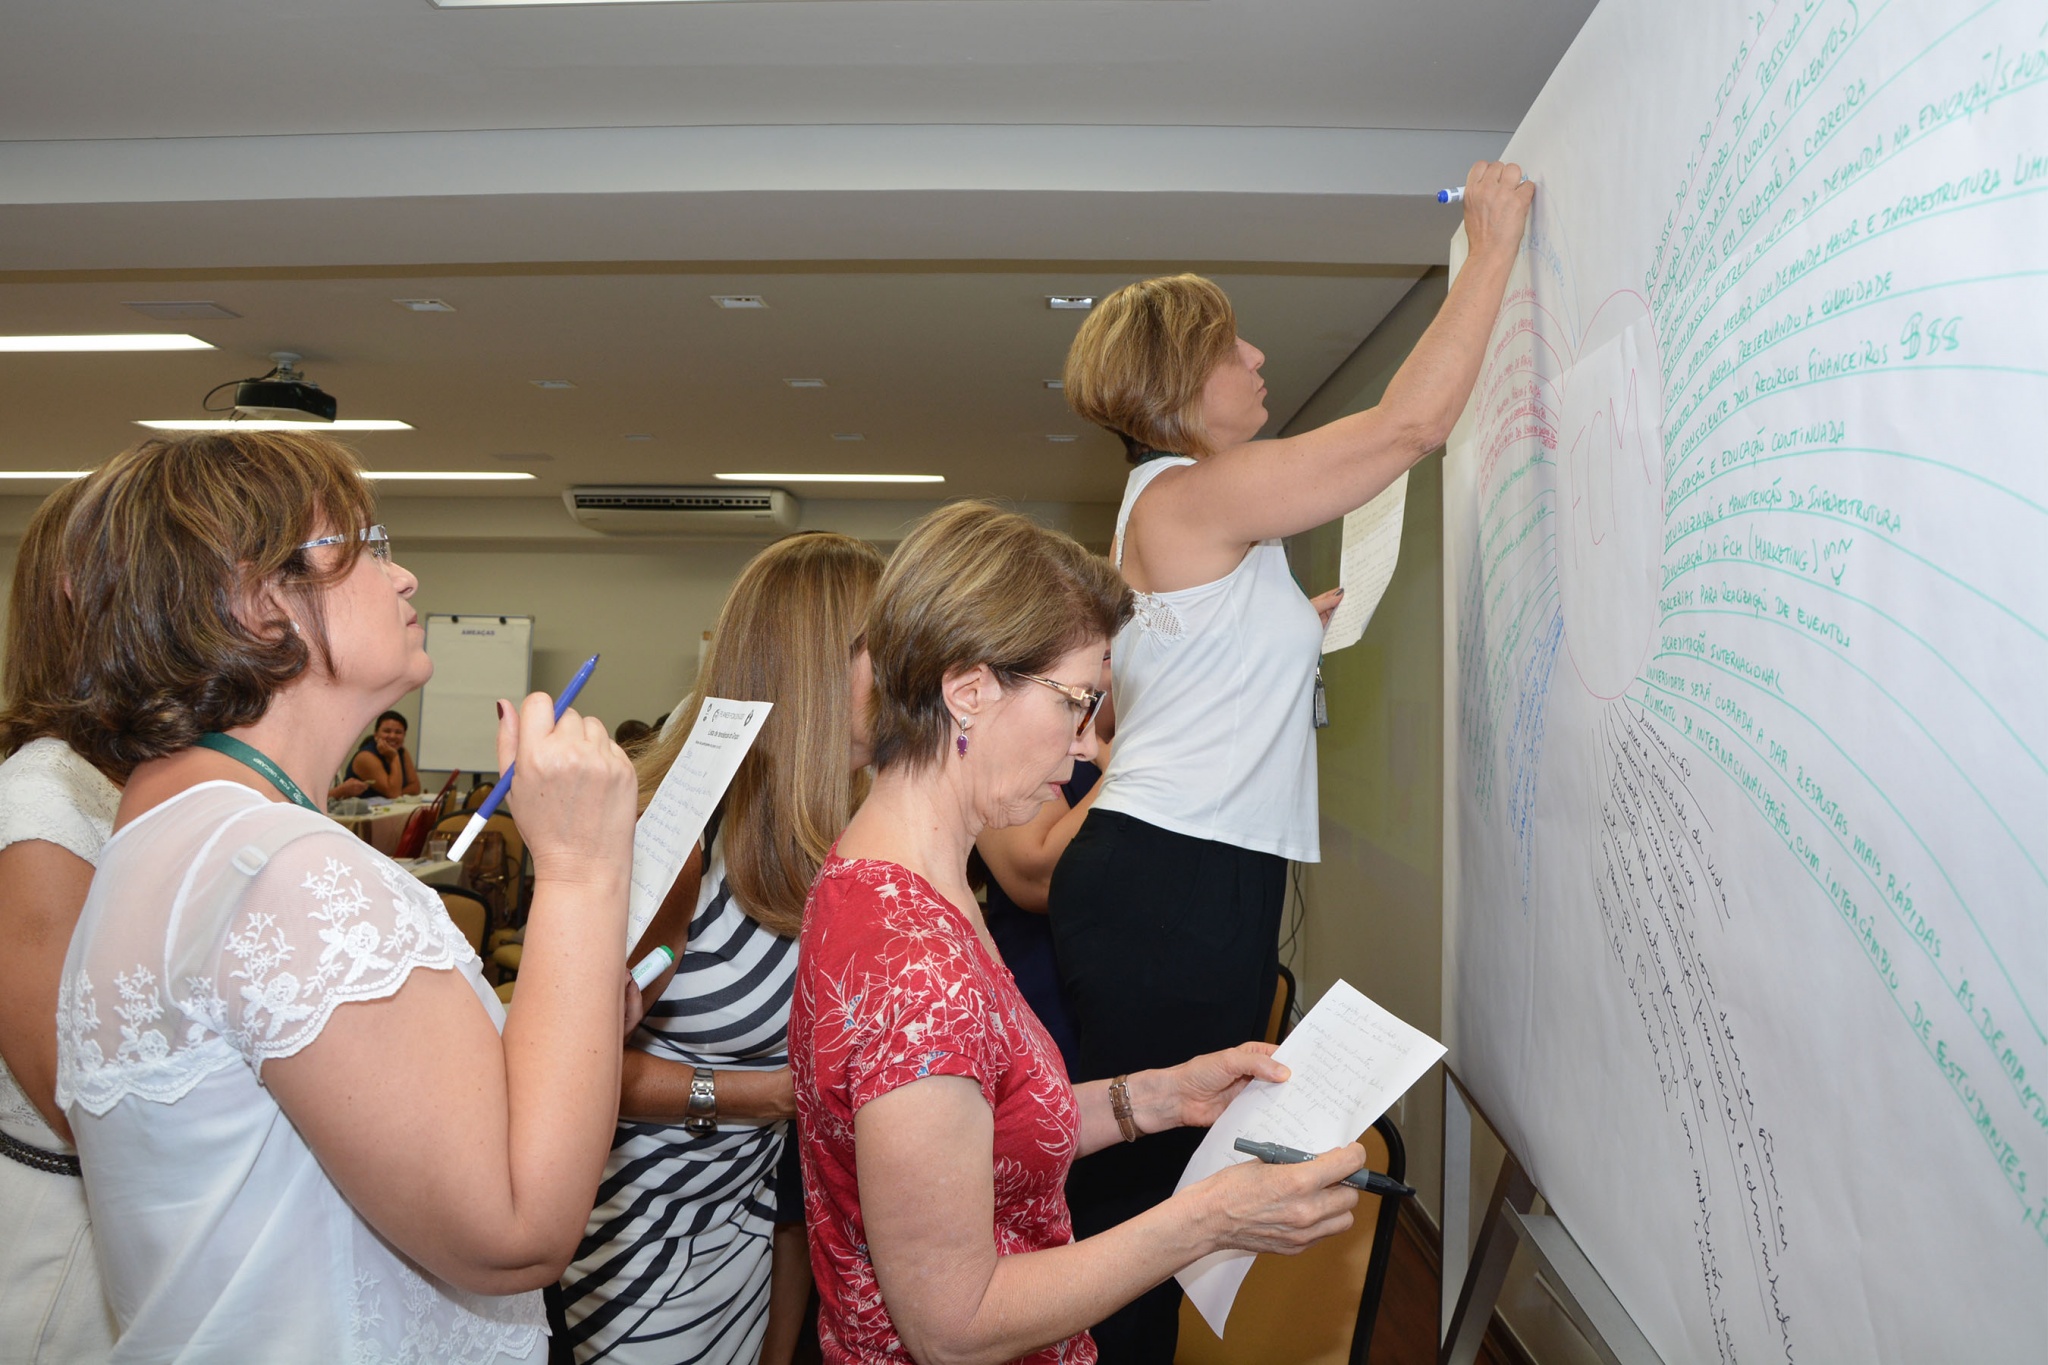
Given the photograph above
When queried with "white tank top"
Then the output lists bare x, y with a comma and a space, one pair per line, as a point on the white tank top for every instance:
1213, 688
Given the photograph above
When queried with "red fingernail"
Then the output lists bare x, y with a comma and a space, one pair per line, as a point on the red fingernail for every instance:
501, 710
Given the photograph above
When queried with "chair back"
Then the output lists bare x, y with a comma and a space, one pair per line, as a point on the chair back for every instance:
413, 838
495, 865
468, 911
1317, 1308
478, 794
1283, 1006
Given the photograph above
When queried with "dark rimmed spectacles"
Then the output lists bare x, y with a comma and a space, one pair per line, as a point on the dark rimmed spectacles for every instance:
1087, 698
376, 537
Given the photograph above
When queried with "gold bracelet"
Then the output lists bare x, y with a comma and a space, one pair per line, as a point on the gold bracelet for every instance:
1120, 1105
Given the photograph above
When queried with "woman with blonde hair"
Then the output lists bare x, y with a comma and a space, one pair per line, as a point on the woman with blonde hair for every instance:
680, 1251
56, 811
308, 1130
936, 1120
1165, 907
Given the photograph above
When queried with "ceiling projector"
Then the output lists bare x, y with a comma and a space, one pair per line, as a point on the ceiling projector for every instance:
283, 395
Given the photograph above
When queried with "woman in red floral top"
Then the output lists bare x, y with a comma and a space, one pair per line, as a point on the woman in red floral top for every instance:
935, 1117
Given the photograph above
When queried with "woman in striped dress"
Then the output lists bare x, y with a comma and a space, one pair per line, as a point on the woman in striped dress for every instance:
677, 1262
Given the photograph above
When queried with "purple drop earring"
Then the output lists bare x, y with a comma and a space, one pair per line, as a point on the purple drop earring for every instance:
960, 742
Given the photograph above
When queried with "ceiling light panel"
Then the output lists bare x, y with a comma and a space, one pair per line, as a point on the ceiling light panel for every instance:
552, 383
457, 475
739, 300
59, 474
425, 305
1077, 302
181, 310
257, 424
831, 478
805, 383
108, 341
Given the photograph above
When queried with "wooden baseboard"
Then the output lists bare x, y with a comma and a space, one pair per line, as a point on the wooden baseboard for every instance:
1501, 1344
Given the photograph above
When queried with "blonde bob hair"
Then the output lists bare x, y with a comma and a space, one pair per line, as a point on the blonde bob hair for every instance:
1138, 364
972, 584
787, 634
166, 549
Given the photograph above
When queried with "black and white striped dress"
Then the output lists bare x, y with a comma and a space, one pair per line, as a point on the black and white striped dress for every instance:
674, 1262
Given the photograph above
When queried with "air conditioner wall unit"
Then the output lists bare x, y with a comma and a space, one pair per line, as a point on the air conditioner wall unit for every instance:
655, 510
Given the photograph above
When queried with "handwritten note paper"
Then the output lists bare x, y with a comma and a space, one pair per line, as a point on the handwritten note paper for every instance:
670, 826
1350, 1059
1372, 543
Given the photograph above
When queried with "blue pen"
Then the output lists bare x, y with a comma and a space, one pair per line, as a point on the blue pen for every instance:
1451, 196
504, 784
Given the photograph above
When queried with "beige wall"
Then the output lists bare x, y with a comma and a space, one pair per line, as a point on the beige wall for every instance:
1374, 905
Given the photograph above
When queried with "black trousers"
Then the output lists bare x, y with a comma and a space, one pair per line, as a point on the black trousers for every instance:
1168, 947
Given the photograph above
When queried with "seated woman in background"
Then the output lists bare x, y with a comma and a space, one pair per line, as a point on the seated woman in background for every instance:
382, 762
676, 1263
936, 1120
56, 811
304, 1137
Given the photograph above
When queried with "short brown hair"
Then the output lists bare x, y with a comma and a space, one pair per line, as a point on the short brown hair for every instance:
787, 634
166, 543
40, 625
972, 584
1138, 364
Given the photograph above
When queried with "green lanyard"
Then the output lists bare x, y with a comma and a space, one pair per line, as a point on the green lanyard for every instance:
251, 756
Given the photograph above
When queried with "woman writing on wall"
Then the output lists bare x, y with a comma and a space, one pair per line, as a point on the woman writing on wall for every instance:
305, 1137
677, 1261
381, 761
937, 1123
56, 811
1166, 907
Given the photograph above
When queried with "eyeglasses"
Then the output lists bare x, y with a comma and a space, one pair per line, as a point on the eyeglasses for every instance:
1087, 698
376, 537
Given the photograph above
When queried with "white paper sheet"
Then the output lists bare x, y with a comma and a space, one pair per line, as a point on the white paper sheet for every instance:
670, 826
1350, 1059
1372, 543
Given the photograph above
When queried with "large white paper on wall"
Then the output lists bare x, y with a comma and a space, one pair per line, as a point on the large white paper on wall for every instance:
1746, 539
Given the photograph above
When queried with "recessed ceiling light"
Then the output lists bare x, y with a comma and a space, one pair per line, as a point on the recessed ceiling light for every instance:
256, 424
848, 436
534, 457
639, 435
425, 305
42, 473
1055, 383
831, 478
464, 475
739, 300
1082, 302
112, 341
181, 310
552, 383
805, 383
1060, 436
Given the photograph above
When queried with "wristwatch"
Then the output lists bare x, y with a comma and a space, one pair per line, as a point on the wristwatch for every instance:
700, 1116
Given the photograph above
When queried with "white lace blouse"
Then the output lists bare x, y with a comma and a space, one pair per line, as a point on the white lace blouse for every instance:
222, 930
48, 792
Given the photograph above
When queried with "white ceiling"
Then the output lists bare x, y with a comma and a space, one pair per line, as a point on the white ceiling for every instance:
211, 68
904, 179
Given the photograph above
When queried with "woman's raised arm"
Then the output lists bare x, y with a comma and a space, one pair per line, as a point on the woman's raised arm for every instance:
1263, 489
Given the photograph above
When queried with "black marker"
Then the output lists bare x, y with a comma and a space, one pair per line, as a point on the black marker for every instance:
1273, 1154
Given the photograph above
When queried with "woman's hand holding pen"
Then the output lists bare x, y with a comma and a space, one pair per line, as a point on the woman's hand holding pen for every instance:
574, 791
1255, 1207
1497, 202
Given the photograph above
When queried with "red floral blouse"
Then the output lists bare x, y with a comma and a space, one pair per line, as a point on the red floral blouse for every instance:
894, 985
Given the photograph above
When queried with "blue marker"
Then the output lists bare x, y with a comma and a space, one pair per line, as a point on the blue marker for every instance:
490, 805
1455, 196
